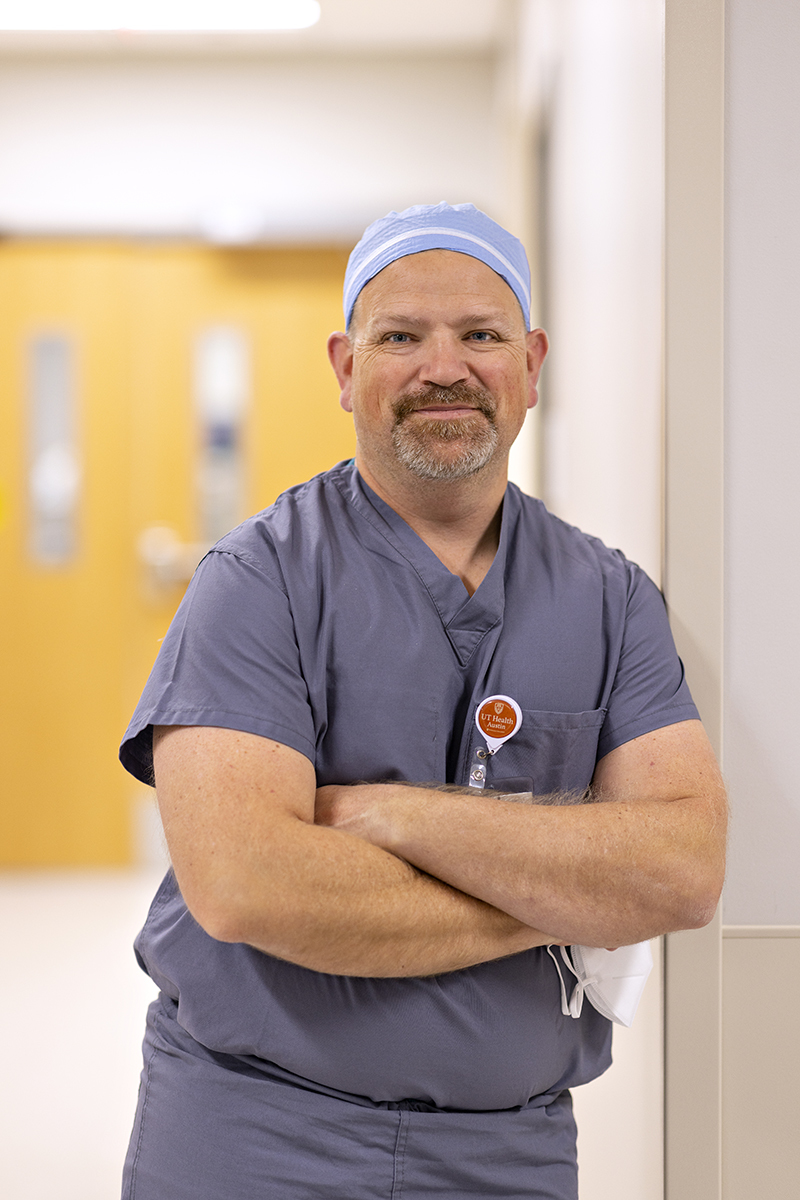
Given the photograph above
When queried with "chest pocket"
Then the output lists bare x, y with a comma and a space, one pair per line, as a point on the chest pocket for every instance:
553, 752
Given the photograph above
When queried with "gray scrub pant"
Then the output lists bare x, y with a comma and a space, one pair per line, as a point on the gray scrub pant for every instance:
218, 1127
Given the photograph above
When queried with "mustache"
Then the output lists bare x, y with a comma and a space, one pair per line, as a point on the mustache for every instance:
460, 394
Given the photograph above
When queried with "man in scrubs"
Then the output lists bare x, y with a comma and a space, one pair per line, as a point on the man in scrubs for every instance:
357, 998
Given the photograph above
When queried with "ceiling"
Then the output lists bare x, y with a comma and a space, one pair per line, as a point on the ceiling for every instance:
345, 27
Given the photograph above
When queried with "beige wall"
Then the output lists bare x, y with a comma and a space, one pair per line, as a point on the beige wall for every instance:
761, 944
762, 700
761, 1062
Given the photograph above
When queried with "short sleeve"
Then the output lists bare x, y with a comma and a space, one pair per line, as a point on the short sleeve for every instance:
229, 659
649, 690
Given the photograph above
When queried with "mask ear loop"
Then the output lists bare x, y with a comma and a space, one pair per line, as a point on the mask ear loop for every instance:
564, 1001
573, 1007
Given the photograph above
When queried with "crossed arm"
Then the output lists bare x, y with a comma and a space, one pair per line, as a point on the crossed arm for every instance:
391, 880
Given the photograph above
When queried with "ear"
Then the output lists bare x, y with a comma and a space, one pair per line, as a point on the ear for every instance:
537, 347
340, 353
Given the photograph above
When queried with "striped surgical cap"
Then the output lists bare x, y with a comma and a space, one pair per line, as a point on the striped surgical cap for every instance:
460, 227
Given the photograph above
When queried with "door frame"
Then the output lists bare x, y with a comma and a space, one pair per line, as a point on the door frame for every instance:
693, 556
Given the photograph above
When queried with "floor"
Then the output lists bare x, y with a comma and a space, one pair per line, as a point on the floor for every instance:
72, 1005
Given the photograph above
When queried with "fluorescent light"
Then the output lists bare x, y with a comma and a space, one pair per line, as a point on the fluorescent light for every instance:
157, 16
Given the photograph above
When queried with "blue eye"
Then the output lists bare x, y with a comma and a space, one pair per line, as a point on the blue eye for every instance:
481, 335
397, 339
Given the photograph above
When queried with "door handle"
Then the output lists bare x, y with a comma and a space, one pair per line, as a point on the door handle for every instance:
167, 560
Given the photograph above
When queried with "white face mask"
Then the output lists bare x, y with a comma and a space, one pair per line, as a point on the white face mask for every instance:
611, 980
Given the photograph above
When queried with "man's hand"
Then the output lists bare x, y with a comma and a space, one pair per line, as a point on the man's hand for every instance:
365, 809
352, 809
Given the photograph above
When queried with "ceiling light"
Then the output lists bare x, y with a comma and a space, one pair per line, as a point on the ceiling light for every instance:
157, 16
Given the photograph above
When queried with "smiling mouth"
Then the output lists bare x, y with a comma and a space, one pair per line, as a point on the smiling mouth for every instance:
445, 411
445, 404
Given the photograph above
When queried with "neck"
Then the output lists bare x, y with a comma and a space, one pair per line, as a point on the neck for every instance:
458, 519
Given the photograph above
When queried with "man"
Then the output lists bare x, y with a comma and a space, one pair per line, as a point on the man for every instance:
357, 999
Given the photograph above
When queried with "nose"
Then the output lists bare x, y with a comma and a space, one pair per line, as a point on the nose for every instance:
445, 362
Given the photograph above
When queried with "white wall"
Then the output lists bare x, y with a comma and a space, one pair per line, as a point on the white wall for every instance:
602, 386
597, 71
762, 656
278, 148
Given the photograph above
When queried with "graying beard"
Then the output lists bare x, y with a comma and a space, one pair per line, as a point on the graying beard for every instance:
419, 457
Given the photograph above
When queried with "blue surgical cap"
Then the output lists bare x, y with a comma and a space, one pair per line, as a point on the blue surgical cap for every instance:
460, 227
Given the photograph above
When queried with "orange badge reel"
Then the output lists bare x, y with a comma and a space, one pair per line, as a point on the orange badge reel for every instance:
498, 718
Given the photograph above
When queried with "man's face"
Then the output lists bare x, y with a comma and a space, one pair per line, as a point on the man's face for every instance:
439, 369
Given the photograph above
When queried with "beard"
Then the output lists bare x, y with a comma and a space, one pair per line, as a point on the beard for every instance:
426, 446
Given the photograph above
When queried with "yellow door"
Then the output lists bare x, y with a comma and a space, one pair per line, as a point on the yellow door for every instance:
128, 339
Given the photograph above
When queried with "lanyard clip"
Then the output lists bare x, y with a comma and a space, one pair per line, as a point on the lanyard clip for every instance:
477, 769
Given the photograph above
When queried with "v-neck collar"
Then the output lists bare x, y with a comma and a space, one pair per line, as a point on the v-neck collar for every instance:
466, 619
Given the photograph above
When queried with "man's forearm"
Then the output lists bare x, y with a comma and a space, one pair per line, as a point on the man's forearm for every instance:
252, 866
647, 860
565, 868
346, 907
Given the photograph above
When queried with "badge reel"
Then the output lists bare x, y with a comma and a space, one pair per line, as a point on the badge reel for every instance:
498, 718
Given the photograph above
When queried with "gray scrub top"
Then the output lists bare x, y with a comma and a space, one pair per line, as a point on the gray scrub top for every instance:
325, 623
